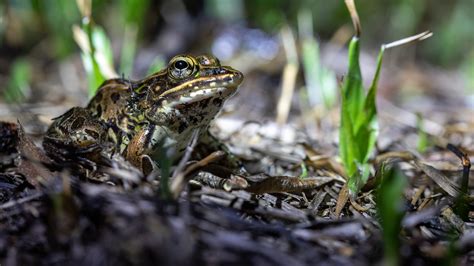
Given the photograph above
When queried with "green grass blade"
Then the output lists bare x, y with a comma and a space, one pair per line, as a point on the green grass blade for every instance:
351, 103
96, 48
347, 150
320, 82
133, 13
422, 143
390, 207
367, 128
358, 179
19, 83
352, 89
129, 46
304, 171
96, 55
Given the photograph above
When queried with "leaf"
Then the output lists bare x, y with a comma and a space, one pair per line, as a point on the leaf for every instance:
352, 100
352, 90
390, 207
97, 56
18, 85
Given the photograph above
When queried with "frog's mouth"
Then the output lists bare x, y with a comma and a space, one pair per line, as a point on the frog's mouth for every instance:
221, 85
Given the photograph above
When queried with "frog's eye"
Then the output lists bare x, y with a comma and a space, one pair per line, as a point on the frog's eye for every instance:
182, 67
181, 64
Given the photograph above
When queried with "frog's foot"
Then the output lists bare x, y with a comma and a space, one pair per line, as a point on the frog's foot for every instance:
119, 171
136, 155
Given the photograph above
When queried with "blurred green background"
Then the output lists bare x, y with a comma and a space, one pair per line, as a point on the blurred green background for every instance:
41, 30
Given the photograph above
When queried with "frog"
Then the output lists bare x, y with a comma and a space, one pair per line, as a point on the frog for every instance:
134, 119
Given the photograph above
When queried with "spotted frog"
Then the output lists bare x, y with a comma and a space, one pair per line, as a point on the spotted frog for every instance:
133, 119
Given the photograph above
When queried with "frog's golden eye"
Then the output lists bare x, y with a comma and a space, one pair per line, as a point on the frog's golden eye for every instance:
182, 67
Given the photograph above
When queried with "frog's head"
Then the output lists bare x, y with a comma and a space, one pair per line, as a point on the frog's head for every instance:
193, 79
193, 88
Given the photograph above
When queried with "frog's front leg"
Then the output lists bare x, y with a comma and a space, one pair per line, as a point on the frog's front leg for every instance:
139, 148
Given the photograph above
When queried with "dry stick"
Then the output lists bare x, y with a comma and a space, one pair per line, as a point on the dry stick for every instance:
289, 76
182, 163
466, 164
439, 178
342, 199
183, 177
354, 16
227, 184
417, 194
358, 207
187, 155
277, 184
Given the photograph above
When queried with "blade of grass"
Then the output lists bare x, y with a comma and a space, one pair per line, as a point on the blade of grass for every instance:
352, 96
129, 45
320, 82
133, 13
390, 207
96, 48
289, 75
19, 84
422, 143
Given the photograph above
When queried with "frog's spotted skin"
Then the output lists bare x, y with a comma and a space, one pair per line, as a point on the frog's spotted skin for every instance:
132, 117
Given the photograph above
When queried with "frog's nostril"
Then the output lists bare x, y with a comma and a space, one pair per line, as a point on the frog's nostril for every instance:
238, 76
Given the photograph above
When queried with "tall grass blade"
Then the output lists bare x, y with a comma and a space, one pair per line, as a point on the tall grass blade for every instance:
390, 207
19, 84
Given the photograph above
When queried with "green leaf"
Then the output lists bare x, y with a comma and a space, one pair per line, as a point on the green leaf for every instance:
19, 83
358, 180
97, 54
102, 47
304, 171
133, 13
359, 125
352, 101
94, 76
320, 82
390, 207
422, 143
129, 46
352, 90
162, 156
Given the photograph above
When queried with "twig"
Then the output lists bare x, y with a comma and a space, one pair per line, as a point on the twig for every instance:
187, 155
354, 16
289, 76
466, 166
276, 184
184, 176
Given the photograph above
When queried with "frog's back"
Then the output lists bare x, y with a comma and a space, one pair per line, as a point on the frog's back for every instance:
113, 104
111, 100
